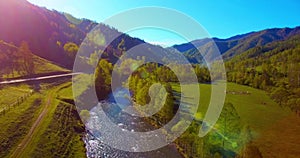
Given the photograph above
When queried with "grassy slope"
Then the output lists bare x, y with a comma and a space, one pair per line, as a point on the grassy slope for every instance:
273, 127
45, 66
40, 65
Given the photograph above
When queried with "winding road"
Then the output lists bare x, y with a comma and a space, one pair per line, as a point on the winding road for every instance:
33, 130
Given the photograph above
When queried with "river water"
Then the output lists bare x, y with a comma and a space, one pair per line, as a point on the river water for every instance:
97, 149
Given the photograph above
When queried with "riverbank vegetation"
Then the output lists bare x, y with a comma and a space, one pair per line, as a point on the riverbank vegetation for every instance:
247, 114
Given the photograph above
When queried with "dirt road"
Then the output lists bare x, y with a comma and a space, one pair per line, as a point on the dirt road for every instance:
19, 151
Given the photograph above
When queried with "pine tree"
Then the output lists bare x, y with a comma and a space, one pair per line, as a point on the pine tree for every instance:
27, 58
103, 78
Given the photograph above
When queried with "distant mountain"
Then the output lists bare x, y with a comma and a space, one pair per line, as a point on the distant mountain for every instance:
270, 51
201, 42
236, 44
261, 38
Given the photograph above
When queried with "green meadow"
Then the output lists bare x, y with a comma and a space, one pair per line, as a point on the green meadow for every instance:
60, 124
269, 122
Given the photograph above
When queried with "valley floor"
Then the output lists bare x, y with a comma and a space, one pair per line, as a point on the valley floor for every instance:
45, 123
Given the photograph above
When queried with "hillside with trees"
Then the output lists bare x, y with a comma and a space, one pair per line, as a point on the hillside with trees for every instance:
235, 45
50, 33
267, 60
20, 61
274, 67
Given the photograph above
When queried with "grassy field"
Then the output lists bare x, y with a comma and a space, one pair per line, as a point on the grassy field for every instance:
10, 94
60, 132
16, 121
66, 92
275, 129
63, 137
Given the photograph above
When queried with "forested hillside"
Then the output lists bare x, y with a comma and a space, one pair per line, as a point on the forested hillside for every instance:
267, 60
52, 35
274, 67
237, 44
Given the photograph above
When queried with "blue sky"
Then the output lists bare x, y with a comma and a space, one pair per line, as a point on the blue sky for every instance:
220, 18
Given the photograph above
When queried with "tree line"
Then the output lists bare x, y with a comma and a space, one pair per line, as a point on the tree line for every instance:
16, 60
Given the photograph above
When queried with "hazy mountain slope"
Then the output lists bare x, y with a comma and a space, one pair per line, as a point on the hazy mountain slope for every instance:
268, 51
223, 44
261, 38
236, 44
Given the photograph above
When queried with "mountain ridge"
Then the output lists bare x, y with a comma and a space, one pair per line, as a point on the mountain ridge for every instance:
48, 31
238, 44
